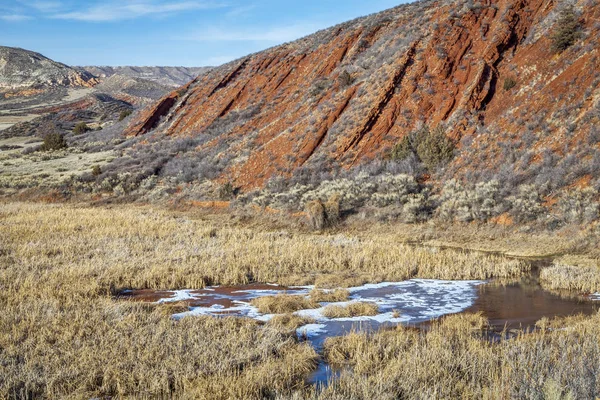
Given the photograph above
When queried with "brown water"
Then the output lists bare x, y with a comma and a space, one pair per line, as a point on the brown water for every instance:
522, 304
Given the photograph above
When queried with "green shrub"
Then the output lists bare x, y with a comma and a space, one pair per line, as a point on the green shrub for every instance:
226, 191
345, 79
568, 30
96, 170
405, 148
81, 128
431, 146
509, 83
435, 149
124, 114
53, 141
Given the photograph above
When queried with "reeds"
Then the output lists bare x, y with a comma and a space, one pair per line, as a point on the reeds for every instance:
283, 304
64, 334
451, 360
358, 309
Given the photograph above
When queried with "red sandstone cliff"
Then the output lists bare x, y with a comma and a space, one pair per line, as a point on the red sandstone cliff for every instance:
348, 94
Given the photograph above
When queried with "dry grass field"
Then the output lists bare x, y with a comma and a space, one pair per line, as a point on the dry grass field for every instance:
63, 334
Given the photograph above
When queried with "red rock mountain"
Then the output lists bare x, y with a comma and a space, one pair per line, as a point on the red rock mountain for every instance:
484, 69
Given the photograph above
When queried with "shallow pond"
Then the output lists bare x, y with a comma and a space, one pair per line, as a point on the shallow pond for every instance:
413, 302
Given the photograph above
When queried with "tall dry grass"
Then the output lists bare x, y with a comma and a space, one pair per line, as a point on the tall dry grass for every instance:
579, 274
64, 335
358, 309
96, 251
450, 361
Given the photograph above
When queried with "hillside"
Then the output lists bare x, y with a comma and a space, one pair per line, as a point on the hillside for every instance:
39, 95
346, 95
24, 69
166, 76
451, 109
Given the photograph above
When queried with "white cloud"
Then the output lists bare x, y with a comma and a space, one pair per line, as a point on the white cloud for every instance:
134, 9
43, 6
274, 34
15, 17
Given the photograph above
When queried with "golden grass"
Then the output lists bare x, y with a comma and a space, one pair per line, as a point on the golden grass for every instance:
358, 309
577, 278
329, 296
64, 335
283, 304
452, 361
99, 347
289, 321
95, 251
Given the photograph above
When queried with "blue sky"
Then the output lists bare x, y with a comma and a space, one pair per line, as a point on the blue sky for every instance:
163, 32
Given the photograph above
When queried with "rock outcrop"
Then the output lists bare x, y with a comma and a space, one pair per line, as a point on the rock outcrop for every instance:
346, 95
23, 69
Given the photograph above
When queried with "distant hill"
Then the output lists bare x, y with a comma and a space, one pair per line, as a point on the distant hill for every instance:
24, 69
32, 84
167, 76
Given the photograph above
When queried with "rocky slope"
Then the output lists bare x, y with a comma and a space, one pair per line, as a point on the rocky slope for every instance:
166, 76
483, 70
25, 70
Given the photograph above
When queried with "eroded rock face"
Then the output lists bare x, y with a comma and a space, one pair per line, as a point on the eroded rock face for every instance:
23, 69
347, 94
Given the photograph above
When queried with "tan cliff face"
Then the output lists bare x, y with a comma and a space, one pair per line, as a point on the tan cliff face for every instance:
346, 95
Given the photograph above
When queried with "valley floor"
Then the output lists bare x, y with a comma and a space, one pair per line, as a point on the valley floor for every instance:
63, 332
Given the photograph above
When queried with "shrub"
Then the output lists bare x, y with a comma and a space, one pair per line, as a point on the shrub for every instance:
53, 141
226, 191
332, 210
433, 148
526, 205
81, 128
96, 170
124, 114
480, 202
509, 83
345, 79
579, 205
316, 214
404, 149
567, 30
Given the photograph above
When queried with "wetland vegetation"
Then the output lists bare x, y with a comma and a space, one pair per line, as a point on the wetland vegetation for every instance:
64, 333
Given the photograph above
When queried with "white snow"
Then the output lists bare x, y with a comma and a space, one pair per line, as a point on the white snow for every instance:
311, 330
399, 302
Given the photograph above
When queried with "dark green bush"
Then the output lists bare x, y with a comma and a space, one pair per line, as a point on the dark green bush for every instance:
345, 79
431, 146
53, 141
226, 191
568, 30
96, 170
124, 114
509, 83
81, 128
